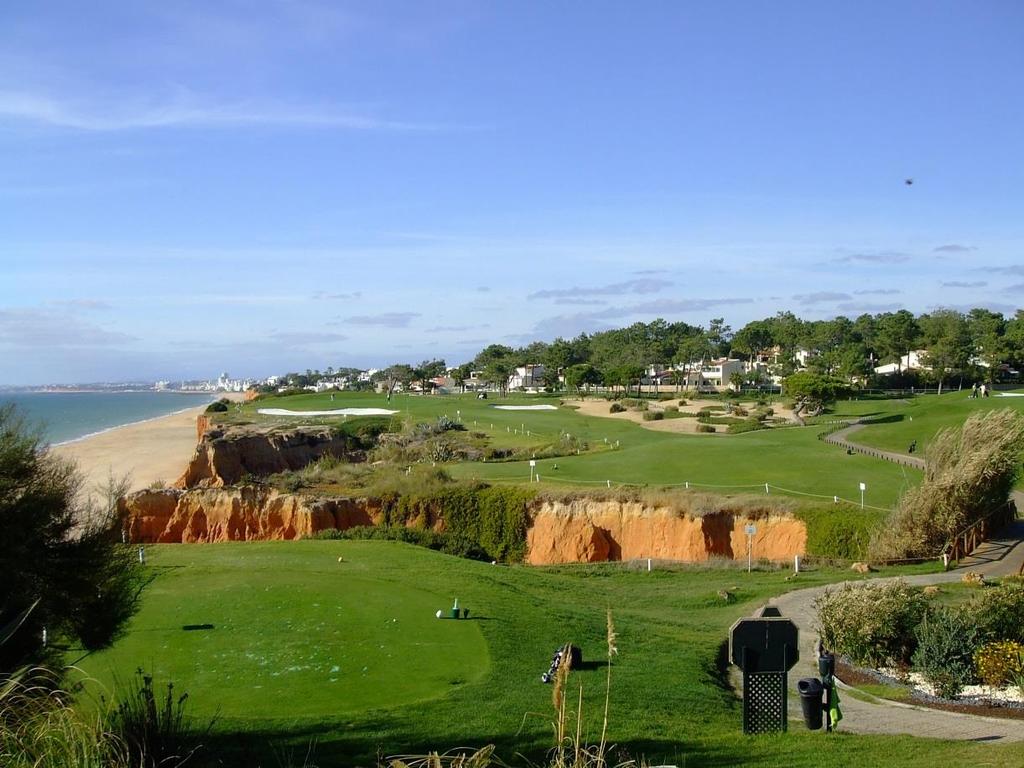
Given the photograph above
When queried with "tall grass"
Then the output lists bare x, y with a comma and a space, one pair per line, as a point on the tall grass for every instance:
969, 473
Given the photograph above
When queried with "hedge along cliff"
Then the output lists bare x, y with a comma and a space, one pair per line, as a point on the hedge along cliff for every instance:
557, 531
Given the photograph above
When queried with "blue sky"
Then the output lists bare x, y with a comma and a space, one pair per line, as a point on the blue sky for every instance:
190, 187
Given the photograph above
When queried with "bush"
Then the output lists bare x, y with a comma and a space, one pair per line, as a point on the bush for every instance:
837, 536
653, 415
155, 730
671, 409
969, 472
218, 406
617, 408
705, 428
873, 624
1000, 663
946, 641
682, 402
998, 612
747, 425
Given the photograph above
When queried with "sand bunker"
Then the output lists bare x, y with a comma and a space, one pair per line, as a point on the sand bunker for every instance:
527, 407
1011, 394
339, 412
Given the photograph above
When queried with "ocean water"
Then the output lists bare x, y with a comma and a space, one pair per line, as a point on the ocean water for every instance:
64, 416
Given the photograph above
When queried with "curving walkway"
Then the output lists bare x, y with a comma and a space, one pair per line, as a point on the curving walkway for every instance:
1000, 556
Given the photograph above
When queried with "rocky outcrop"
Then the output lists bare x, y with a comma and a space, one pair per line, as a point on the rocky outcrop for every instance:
225, 455
588, 530
567, 531
248, 513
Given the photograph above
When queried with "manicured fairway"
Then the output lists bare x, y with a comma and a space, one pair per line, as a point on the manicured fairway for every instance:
921, 418
282, 630
670, 699
626, 453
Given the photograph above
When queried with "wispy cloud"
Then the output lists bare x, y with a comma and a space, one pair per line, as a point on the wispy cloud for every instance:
878, 292
90, 305
962, 284
854, 307
875, 257
184, 109
581, 302
301, 338
384, 320
1018, 288
642, 285
954, 248
1012, 269
454, 328
821, 296
46, 328
324, 296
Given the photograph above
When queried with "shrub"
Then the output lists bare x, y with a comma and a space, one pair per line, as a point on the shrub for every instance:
946, 641
218, 406
705, 428
154, 729
671, 409
682, 402
747, 425
873, 624
617, 408
836, 536
1000, 662
969, 472
998, 612
653, 415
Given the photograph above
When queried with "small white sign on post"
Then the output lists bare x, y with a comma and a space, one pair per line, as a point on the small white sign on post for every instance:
533, 464
863, 487
750, 531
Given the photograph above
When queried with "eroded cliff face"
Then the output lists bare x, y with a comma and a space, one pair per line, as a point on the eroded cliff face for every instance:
224, 456
247, 513
579, 530
587, 530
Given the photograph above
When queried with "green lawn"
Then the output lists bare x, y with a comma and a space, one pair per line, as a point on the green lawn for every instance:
919, 419
433, 684
626, 453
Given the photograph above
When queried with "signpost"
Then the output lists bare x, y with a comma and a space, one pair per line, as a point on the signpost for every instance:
765, 648
863, 487
533, 464
750, 530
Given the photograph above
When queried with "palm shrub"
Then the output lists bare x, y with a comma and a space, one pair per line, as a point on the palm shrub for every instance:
873, 624
946, 641
969, 473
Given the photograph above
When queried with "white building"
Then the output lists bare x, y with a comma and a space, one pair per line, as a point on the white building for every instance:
912, 361
528, 377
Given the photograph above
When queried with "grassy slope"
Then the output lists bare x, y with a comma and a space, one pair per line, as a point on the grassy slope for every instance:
923, 416
790, 458
669, 701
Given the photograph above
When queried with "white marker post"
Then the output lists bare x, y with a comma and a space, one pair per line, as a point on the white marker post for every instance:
863, 487
532, 465
750, 531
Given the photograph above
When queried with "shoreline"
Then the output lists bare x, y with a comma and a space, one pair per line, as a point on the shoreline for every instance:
105, 430
150, 451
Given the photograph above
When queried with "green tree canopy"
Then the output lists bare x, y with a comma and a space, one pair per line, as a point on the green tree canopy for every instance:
62, 565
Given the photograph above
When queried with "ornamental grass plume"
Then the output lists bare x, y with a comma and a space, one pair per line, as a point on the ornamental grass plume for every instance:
969, 473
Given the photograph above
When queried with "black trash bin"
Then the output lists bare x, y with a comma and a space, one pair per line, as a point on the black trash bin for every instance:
811, 692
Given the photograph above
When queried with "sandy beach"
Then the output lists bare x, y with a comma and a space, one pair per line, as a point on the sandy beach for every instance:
149, 451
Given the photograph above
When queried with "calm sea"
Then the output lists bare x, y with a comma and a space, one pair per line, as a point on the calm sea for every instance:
67, 416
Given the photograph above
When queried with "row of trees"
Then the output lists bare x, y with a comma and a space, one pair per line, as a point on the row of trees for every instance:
972, 345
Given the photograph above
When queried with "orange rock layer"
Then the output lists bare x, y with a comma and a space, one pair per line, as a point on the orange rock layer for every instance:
581, 530
589, 531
